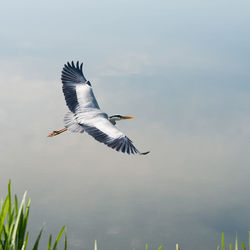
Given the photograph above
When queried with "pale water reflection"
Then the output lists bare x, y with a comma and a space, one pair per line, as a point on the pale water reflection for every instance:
181, 69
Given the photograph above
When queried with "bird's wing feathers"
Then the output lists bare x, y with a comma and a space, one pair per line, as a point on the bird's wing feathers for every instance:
77, 90
71, 123
72, 73
81, 102
104, 131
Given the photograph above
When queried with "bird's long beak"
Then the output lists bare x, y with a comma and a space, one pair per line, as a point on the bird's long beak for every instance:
127, 117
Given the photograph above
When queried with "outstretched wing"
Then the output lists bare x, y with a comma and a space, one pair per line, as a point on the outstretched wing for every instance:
81, 102
105, 132
77, 90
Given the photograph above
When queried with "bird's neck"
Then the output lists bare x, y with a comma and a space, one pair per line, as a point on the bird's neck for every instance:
112, 120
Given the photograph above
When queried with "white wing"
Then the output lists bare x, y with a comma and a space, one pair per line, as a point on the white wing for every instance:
96, 124
77, 90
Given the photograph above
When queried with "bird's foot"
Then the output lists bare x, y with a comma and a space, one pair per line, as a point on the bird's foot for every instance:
54, 133
57, 132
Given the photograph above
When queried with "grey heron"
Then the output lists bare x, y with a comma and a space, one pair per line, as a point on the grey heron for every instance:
85, 114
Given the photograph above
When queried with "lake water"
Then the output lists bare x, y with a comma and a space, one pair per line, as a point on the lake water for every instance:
181, 69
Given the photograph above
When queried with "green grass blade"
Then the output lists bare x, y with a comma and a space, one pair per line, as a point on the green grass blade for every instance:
5, 236
65, 241
19, 232
95, 245
35, 247
249, 240
49, 243
58, 238
16, 205
3, 206
2, 244
243, 246
222, 242
13, 225
160, 247
4, 211
23, 224
218, 247
236, 242
177, 247
10, 215
26, 213
146, 246
17, 220
25, 243
10, 234
26, 240
230, 246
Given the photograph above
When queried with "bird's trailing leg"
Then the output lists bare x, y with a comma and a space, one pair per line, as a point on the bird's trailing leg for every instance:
57, 132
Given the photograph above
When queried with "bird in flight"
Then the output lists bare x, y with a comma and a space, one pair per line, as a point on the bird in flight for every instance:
85, 114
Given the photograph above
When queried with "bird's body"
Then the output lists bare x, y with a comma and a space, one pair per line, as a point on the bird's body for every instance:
85, 114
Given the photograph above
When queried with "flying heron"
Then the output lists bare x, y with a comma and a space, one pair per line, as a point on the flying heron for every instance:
85, 114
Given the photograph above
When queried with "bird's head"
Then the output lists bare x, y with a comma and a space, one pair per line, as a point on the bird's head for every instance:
114, 118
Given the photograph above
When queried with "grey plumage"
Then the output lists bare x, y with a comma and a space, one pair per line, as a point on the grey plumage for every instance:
85, 114
71, 123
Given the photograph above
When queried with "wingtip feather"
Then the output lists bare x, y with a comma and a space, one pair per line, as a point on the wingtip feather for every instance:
145, 153
72, 73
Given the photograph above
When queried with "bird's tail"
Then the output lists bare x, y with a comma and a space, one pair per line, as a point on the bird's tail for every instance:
71, 123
